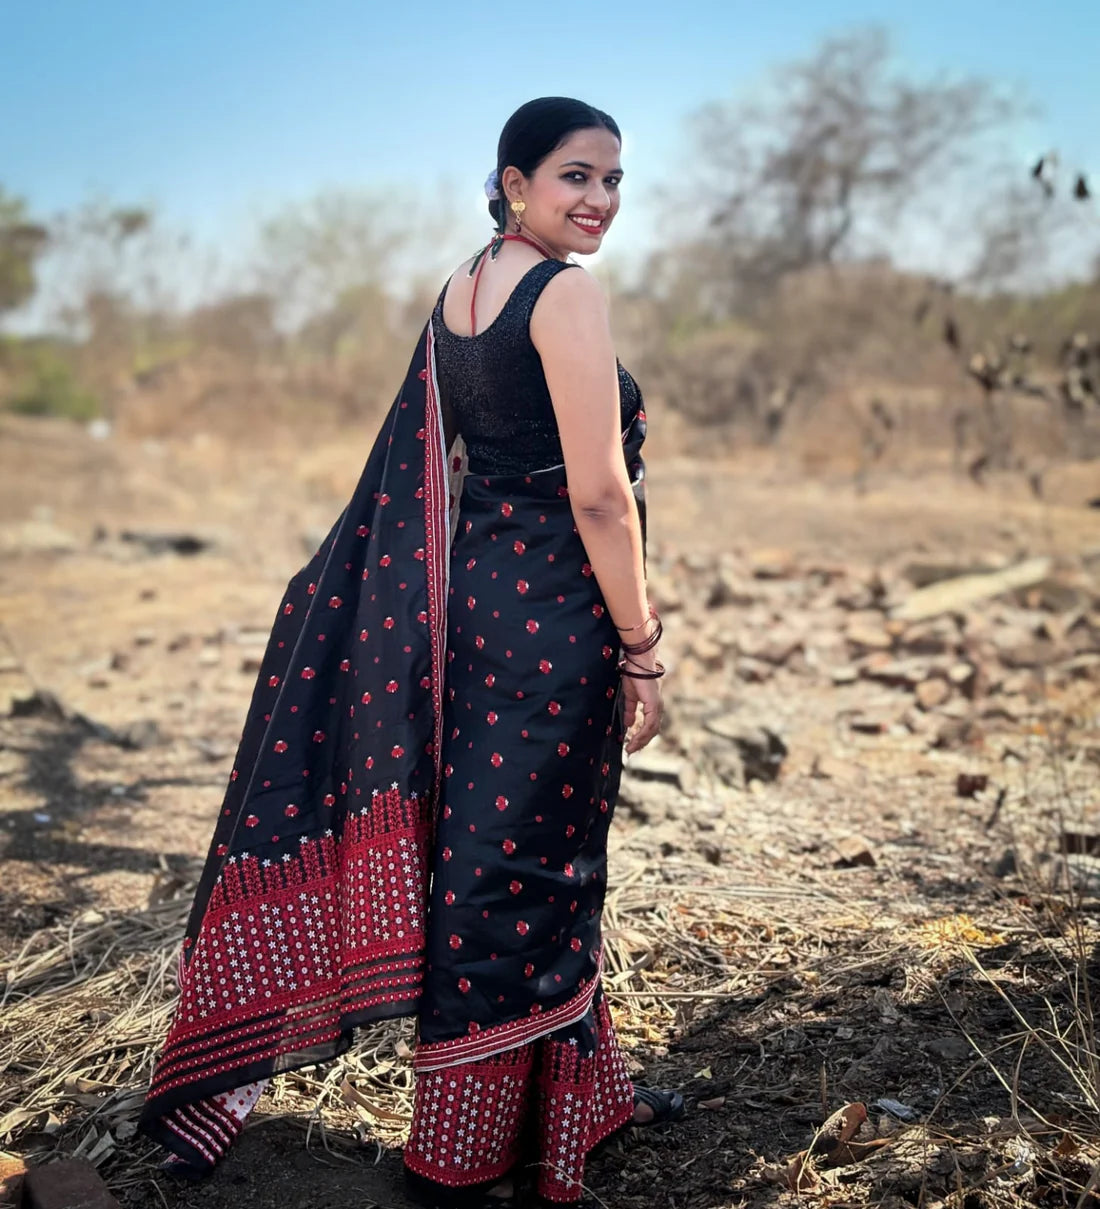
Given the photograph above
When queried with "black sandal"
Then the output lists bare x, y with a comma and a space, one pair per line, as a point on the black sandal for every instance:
667, 1105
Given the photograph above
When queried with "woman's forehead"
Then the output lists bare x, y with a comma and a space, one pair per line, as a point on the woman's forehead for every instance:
594, 147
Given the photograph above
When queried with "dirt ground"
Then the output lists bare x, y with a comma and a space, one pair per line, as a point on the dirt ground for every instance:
856, 867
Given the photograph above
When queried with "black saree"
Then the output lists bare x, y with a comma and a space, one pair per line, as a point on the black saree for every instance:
350, 878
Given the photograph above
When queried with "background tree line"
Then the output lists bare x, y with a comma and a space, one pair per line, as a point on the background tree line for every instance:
783, 313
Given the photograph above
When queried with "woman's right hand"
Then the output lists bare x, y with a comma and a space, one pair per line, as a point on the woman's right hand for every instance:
647, 694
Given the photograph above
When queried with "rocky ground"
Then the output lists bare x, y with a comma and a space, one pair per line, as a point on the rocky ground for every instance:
858, 870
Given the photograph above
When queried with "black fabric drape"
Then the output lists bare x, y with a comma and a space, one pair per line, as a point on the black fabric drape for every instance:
309, 917
311, 913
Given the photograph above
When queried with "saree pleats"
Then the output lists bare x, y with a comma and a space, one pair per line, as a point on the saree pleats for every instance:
546, 1103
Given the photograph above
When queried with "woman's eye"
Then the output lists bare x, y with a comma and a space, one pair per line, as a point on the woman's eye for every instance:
614, 182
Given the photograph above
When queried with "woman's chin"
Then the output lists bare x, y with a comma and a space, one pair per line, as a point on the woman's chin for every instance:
586, 246
580, 241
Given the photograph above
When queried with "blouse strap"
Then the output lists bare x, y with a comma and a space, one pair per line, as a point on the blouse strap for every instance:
473, 294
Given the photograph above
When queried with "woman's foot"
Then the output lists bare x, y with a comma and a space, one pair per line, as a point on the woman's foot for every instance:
504, 1191
657, 1106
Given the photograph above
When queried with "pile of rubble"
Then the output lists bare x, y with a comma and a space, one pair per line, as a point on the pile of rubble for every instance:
942, 651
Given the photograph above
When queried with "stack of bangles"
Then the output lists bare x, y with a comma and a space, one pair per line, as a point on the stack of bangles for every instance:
639, 648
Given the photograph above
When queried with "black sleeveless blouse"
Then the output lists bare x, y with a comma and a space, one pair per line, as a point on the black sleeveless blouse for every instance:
493, 387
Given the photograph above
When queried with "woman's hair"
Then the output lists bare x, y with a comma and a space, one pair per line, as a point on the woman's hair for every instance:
535, 130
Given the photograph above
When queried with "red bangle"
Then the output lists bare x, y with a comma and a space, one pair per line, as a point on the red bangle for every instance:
647, 644
645, 673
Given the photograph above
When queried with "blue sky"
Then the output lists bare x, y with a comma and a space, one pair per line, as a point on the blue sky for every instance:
218, 109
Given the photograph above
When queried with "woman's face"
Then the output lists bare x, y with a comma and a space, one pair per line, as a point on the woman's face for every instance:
573, 195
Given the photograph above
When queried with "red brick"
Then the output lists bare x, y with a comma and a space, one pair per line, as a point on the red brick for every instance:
11, 1180
68, 1184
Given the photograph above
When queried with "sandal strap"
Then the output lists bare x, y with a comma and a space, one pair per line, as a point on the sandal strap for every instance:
667, 1104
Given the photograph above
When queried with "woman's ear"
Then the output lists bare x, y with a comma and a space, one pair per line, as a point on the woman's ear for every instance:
511, 184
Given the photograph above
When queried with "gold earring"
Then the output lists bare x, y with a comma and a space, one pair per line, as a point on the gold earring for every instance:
518, 208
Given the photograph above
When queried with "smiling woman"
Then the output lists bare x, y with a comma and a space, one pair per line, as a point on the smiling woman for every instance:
417, 818
575, 186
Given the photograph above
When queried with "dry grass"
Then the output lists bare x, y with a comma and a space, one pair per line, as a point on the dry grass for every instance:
86, 1006
742, 962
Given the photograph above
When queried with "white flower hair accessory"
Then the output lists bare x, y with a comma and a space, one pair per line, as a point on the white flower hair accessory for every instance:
492, 185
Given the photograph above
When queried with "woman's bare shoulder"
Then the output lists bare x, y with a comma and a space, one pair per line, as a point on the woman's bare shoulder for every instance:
570, 300
457, 272
464, 267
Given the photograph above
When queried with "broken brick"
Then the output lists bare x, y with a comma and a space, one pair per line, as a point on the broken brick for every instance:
67, 1184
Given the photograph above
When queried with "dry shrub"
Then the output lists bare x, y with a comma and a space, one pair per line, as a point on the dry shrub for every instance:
846, 367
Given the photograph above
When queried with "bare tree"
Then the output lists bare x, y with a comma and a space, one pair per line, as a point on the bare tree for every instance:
21, 243
101, 250
335, 253
313, 253
1034, 232
823, 168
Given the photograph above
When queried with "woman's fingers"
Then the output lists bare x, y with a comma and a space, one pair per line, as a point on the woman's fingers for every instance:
651, 719
640, 733
630, 716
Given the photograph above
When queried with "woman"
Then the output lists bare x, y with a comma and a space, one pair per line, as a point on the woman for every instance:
417, 819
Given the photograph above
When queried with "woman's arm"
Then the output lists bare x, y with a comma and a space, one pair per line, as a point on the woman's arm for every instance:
570, 328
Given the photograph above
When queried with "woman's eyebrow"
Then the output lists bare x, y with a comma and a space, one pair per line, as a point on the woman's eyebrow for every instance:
582, 164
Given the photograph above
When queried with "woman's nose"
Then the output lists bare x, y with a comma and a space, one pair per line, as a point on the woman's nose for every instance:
599, 198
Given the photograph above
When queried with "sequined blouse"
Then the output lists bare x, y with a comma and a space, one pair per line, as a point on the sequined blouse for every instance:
493, 388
